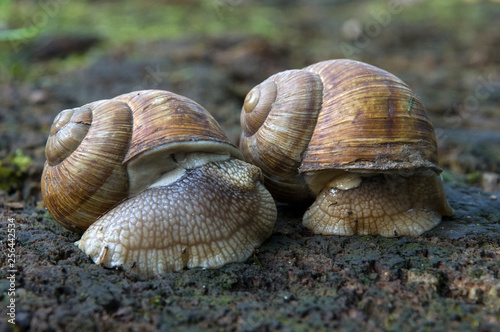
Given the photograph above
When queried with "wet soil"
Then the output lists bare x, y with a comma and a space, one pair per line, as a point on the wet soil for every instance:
446, 279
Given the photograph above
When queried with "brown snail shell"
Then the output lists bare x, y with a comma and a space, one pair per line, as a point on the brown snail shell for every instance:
335, 124
154, 183
80, 184
278, 149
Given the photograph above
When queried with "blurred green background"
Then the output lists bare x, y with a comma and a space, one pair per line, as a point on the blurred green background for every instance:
459, 30
61, 54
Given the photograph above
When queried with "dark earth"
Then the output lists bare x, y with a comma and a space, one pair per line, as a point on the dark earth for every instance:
448, 279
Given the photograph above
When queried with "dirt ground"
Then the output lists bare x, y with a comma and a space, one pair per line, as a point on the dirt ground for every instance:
447, 279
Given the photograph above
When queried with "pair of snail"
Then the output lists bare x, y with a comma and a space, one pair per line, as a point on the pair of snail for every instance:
155, 185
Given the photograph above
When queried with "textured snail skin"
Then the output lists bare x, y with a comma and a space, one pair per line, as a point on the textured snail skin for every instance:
375, 206
204, 219
355, 138
154, 185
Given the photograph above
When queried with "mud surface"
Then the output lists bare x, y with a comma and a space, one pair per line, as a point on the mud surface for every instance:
446, 279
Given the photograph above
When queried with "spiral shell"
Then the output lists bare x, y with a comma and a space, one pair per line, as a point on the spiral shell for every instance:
106, 151
277, 128
373, 119
155, 185
83, 179
353, 137
334, 115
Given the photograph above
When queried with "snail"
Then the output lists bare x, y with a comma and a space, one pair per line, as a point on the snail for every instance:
353, 138
155, 185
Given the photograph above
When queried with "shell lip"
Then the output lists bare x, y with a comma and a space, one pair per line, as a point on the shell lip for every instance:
370, 166
186, 147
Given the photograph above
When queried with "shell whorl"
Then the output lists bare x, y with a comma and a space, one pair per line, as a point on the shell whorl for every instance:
257, 105
68, 130
287, 109
370, 120
163, 119
90, 179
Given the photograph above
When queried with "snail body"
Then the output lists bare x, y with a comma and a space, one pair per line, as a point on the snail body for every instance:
155, 185
353, 137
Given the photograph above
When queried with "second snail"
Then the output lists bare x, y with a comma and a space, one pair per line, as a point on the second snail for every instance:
352, 137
